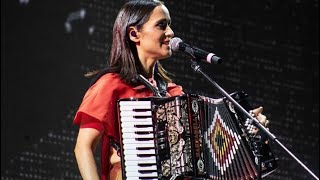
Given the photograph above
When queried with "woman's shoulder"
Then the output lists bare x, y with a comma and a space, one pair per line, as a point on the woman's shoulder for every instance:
107, 83
110, 77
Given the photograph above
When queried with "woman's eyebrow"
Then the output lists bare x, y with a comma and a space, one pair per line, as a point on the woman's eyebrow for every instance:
164, 19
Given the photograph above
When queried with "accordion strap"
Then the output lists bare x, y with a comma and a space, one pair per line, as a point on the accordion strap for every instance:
161, 84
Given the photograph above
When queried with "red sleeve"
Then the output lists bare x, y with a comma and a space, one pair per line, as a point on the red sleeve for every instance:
174, 90
98, 107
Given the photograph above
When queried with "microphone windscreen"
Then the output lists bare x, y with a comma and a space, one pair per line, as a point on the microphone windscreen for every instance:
174, 43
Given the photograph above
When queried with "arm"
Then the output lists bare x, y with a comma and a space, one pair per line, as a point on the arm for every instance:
87, 141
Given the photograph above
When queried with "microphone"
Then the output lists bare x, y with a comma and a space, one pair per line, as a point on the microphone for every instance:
176, 44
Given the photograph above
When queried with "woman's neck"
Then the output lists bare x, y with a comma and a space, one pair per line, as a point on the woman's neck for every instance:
148, 68
148, 73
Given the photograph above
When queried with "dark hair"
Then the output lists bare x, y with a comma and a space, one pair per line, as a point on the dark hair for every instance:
123, 56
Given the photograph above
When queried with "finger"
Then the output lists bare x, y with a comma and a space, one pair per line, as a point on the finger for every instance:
262, 119
267, 124
257, 111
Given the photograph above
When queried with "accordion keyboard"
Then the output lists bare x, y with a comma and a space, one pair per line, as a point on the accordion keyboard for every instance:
139, 155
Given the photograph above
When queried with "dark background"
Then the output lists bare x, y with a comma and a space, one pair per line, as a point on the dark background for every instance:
270, 50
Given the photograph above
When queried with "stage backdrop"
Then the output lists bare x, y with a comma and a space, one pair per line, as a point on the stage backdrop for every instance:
270, 50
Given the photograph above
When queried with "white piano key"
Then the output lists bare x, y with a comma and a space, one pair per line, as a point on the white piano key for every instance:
132, 119
132, 108
141, 168
138, 162
134, 151
135, 123
133, 130
134, 141
133, 178
137, 174
137, 178
134, 135
135, 146
133, 113
136, 158
135, 103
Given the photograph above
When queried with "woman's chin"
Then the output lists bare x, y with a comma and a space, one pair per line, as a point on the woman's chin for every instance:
169, 53
165, 55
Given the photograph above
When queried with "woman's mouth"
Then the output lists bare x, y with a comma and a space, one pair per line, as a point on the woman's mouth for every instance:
166, 42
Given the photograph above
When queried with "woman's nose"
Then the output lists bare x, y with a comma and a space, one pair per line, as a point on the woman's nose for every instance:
169, 32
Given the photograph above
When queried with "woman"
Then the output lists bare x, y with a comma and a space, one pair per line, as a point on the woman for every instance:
141, 37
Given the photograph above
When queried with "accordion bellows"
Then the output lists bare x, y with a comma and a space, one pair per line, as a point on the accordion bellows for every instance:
189, 137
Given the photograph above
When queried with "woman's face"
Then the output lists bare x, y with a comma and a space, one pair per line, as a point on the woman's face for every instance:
155, 35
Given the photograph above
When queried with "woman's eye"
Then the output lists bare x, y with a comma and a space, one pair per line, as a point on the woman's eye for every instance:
163, 25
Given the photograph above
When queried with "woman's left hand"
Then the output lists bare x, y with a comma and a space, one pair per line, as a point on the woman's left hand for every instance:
257, 113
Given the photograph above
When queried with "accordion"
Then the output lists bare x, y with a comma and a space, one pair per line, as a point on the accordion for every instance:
189, 137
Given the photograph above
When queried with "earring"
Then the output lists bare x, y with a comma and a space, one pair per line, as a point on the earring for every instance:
133, 33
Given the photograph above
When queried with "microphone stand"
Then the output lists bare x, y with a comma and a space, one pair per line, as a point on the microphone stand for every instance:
256, 123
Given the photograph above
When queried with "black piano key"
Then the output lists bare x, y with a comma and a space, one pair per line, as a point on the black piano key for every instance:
145, 155
140, 110
143, 132
143, 139
147, 171
144, 148
142, 126
149, 177
146, 164
141, 117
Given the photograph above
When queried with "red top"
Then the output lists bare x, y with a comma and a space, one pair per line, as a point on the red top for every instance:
98, 110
